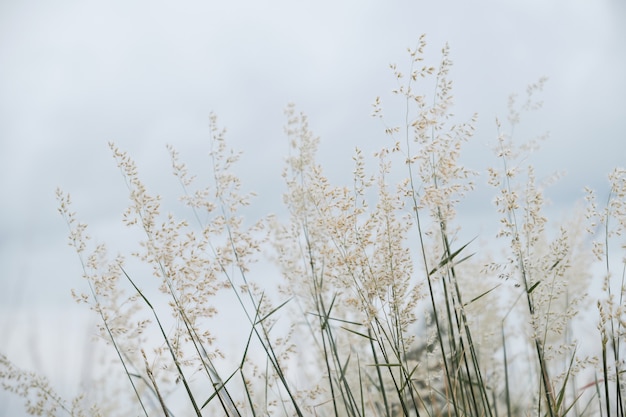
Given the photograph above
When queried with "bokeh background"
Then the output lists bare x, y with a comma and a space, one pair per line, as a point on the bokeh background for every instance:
77, 74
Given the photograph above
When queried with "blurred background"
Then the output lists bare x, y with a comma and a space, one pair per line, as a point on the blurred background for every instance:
77, 74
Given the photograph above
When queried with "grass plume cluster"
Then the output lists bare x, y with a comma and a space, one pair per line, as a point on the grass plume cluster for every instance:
381, 309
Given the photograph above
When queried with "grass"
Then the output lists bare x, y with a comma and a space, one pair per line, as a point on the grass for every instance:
381, 310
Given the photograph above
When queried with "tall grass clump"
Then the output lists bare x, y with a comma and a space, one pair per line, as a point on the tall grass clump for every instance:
382, 309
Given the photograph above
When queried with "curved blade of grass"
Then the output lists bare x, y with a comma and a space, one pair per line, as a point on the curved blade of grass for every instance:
169, 346
218, 391
532, 288
561, 395
450, 258
272, 312
480, 296
359, 334
337, 319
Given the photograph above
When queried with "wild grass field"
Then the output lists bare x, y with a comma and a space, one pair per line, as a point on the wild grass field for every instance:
381, 308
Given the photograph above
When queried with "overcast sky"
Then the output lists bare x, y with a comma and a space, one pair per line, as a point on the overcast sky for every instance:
77, 74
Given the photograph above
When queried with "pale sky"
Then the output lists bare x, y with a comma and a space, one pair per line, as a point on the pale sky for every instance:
77, 74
